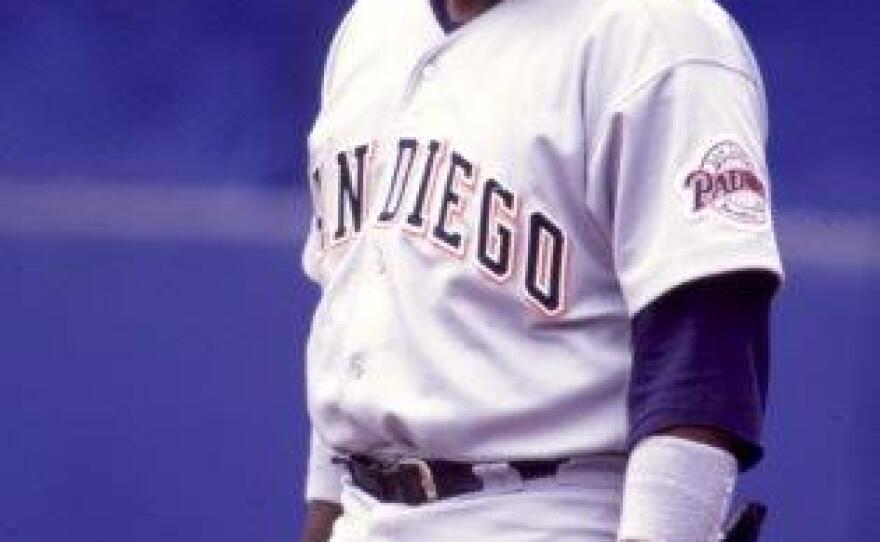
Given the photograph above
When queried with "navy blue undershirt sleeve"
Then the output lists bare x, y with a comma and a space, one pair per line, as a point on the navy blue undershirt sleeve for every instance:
701, 358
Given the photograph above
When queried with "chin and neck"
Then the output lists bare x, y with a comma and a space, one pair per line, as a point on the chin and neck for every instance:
462, 11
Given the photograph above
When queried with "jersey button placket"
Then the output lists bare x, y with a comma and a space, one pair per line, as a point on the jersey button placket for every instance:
425, 75
424, 70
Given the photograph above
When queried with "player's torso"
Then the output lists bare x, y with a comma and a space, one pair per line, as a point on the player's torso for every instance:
468, 295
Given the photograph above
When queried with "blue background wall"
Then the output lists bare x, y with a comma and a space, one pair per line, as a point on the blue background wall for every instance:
152, 312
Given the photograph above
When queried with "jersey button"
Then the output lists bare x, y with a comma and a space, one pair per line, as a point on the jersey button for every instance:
356, 368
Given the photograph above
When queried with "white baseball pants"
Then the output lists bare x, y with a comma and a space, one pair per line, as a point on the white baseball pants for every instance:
579, 504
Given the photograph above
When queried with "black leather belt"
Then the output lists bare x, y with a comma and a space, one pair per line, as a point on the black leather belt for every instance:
420, 481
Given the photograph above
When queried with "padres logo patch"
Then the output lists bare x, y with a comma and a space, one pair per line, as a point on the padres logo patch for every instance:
726, 183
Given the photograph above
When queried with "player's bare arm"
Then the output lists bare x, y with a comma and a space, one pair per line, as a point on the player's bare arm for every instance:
319, 520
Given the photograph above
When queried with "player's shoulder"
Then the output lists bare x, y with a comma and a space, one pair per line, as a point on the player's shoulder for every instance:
374, 12
358, 11
359, 35
628, 43
369, 23
677, 30
690, 13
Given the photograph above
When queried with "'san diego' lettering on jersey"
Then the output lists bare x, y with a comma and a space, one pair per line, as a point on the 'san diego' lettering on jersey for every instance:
430, 189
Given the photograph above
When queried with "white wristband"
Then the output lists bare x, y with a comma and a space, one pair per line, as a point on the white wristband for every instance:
676, 490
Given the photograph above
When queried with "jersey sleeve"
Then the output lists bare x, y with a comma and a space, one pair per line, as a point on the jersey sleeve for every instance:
324, 476
677, 173
686, 180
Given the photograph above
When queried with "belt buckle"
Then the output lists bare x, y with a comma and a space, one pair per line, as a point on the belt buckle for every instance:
426, 477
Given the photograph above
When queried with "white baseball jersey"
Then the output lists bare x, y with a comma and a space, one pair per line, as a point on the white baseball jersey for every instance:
492, 205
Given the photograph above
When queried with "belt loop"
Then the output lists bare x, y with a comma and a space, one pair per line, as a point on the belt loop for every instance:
426, 477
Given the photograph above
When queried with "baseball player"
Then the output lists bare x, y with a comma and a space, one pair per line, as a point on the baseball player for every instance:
543, 236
